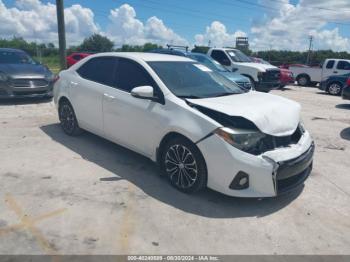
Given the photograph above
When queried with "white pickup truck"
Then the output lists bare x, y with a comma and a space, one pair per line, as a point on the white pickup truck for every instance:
263, 77
307, 76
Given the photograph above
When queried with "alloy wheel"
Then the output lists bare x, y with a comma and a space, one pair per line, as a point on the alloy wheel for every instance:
67, 118
334, 89
181, 166
303, 81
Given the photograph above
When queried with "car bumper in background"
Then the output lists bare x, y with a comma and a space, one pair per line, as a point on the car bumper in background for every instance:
7, 90
346, 93
267, 86
323, 86
270, 174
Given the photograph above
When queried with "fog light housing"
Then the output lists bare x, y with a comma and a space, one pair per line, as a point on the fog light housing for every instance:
240, 181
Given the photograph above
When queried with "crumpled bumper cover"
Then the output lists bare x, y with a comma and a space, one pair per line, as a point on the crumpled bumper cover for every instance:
270, 174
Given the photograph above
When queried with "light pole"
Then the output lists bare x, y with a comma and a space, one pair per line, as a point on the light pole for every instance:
61, 33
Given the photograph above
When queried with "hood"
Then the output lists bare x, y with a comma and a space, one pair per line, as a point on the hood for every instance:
259, 66
235, 77
273, 115
19, 70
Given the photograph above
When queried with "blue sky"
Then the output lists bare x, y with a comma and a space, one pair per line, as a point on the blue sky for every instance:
267, 23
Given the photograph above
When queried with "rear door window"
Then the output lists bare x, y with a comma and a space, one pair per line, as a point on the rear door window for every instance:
99, 70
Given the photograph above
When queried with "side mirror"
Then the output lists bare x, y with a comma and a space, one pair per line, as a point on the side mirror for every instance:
143, 92
234, 69
226, 62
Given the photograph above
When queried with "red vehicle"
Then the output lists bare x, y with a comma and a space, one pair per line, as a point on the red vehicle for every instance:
75, 57
286, 66
286, 77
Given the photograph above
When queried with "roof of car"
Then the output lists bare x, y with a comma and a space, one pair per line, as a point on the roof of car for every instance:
11, 50
222, 48
147, 57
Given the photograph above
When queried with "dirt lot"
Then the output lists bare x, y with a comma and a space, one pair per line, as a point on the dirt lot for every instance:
85, 195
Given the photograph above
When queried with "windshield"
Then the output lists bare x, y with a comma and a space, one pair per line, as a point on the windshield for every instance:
9, 57
209, 62
193, 80
238, 56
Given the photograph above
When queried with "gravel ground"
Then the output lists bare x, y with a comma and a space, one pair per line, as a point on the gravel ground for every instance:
85, 195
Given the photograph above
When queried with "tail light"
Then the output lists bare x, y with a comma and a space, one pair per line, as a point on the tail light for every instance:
348, 82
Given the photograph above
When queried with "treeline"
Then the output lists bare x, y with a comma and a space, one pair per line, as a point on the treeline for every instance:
94, 44
98, 43
278, 57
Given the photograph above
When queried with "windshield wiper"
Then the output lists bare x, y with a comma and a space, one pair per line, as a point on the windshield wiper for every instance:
224, 94
189, 96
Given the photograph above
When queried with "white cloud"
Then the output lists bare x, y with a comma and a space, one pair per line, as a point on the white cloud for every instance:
218, 36
288, 26
282, 26
36, 21
124, 27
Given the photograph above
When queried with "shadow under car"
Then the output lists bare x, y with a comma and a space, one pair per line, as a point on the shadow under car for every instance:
143, 173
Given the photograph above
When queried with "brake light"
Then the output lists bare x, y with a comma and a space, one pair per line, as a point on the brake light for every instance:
348, 82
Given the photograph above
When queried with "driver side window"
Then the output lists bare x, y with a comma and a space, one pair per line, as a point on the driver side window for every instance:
221, 57
129, 75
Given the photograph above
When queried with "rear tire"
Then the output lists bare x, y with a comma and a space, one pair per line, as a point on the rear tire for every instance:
334, 89
303, 80
68, 119
184, 165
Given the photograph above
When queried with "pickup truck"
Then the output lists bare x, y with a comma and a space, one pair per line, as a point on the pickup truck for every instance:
310, 76
263, 77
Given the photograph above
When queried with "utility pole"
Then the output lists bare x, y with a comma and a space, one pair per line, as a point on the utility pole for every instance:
61, 33
310, 49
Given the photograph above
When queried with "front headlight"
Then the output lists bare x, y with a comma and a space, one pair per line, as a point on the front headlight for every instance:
246, 140
3, 77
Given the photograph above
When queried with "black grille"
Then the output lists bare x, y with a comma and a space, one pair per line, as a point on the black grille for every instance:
271, 75
23, 93
269, 142
294, 172
29, 83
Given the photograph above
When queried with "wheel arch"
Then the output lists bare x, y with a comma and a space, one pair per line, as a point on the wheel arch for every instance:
303, 75
170, 135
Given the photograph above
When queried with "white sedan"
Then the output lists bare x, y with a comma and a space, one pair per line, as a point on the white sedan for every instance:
202, 129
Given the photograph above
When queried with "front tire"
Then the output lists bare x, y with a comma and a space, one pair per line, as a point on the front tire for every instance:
68, 119
184, 165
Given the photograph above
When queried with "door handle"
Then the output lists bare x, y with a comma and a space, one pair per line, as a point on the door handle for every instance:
335, 72
109, 97
73, 84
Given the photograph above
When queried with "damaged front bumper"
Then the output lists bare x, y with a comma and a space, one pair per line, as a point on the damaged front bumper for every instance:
269, 174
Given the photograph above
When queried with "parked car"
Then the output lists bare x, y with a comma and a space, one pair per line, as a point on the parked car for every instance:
334, 84
21, 76
263, 77
75, 57
239, 79
346, 90
311, 75
286, 76
286, 66
202, 129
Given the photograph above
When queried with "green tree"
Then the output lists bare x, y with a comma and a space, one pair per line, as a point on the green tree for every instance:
200, 49
96, 43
